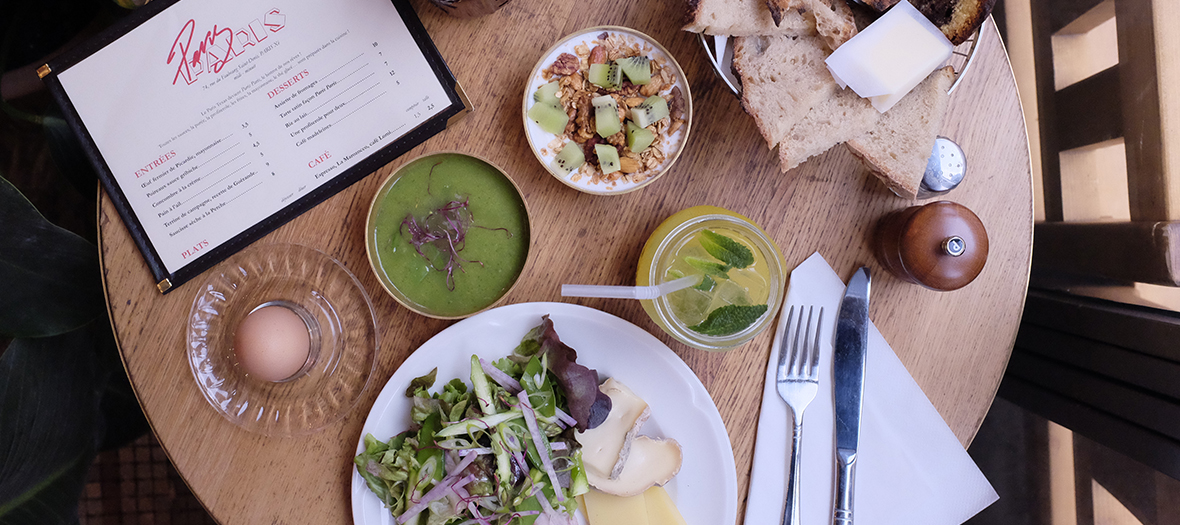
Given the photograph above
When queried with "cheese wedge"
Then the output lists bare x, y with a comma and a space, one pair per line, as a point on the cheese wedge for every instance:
605, 509
605, 448
651, 462
652, 507
660, 508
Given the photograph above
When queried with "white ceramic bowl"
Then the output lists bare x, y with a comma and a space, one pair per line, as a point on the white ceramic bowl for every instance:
543, 143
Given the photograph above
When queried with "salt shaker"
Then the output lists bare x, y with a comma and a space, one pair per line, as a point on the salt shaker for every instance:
944, 169
941, 245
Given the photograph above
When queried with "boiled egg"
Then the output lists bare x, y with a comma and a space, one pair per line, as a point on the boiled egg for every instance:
272, 343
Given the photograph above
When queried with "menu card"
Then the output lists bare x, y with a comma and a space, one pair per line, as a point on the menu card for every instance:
213, 122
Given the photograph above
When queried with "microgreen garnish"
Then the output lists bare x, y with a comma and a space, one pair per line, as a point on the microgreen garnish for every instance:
443, 232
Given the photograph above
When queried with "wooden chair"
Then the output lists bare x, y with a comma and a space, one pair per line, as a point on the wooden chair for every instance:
1107, 370
1136, 100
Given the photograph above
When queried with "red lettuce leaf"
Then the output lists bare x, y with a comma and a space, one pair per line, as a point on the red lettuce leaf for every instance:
587, 404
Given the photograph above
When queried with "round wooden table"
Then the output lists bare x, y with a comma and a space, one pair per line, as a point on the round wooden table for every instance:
955, 344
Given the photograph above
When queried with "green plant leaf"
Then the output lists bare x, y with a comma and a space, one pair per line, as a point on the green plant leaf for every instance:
726, 250
49, 406
729, 319
50, 276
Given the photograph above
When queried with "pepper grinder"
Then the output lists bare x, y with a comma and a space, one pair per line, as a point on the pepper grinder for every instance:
941, 245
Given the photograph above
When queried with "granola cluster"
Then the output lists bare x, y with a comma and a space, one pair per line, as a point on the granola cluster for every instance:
576, 93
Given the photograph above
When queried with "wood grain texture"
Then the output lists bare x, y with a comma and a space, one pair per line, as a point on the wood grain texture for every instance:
956, 345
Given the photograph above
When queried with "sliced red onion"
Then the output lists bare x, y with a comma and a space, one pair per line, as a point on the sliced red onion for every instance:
558, 445
565, 418
505, 380
444, 487
476, 451
461, 465
540, 442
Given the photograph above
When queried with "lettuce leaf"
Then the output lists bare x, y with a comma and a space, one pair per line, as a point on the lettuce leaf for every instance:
579, 383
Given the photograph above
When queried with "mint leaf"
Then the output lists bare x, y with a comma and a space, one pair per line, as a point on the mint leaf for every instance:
708, 267
729, 319
726, 250
706, 284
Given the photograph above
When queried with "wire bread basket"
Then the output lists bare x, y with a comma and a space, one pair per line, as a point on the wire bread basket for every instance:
719, 49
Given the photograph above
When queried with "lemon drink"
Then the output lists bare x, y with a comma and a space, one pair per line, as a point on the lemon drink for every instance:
734, 287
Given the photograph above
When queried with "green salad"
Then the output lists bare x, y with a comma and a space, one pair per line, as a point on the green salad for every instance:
500, 452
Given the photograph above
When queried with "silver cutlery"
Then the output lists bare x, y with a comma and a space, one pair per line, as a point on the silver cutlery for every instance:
848, 370
797, 381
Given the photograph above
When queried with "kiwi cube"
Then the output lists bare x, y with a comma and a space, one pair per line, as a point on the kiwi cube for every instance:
638, 139
637, 69
608, 158
548, 94
550, 117
606, 116
607, 76
649, 111
568, 159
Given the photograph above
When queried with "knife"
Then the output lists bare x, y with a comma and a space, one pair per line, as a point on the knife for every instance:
848, 372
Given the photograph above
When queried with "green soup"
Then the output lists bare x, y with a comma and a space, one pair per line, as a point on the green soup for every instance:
495, 242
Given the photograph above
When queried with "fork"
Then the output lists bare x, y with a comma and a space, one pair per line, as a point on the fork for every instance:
797, 381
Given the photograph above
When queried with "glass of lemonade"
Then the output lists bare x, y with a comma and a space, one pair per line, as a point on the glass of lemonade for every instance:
742, 279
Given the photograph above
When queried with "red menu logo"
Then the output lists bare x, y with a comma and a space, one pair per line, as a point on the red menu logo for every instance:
219, 46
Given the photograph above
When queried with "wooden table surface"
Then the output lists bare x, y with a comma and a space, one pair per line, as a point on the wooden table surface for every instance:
956, 345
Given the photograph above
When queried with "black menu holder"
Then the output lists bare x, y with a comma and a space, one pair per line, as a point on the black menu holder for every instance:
226, 51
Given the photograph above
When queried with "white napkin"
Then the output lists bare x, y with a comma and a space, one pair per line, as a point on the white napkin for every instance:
911, 469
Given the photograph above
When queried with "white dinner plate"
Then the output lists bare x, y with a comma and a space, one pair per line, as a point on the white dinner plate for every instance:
705, 490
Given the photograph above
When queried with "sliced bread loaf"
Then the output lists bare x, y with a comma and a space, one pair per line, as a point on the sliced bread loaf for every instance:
783, 77
743, 18
837, 119
897, 148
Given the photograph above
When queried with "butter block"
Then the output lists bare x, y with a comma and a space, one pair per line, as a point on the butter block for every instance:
891, 56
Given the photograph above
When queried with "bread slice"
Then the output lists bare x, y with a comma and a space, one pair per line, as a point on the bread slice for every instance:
743, 18
897, 148
840, 118
783, 77
833, 21
833, 18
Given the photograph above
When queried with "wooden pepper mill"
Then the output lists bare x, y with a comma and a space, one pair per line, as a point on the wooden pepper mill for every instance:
941, 245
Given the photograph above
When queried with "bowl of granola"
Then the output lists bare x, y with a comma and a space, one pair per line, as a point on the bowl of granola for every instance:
607, 110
